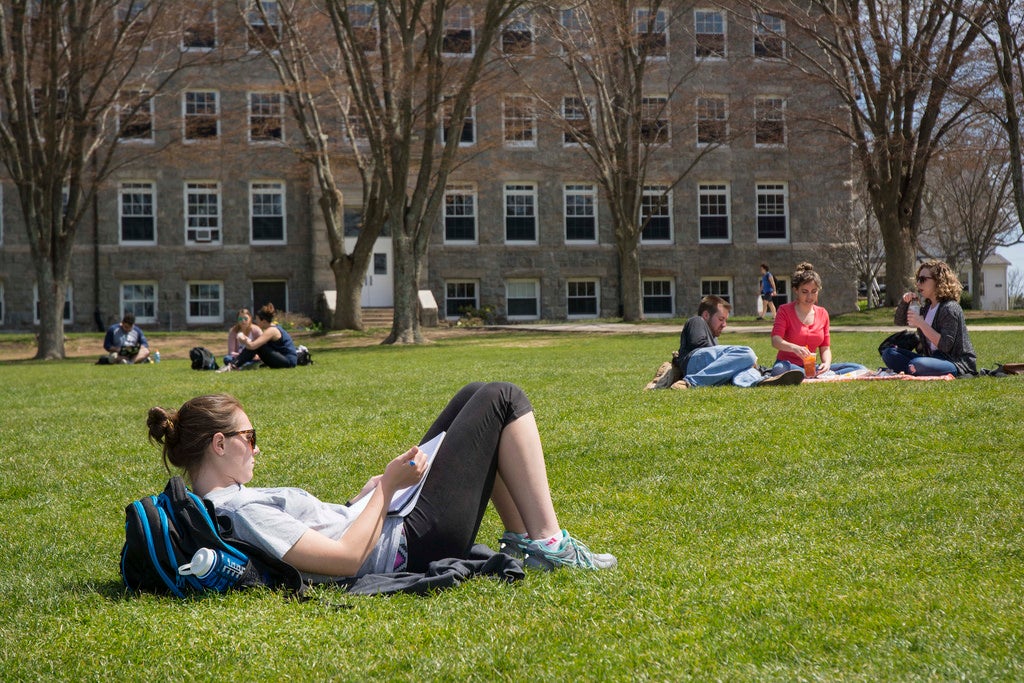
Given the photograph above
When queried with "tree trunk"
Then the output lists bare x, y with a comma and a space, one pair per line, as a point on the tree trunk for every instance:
405, 327
348, 285
629, 281
976, 280
900, 257
52, 292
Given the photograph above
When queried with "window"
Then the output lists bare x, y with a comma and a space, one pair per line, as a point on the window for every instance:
772, 211
581, 300
522, 299
580, 213
769, 121
380, 263
270, 292
656, 214
202, 212
201, 115
137, 209
266, 201
518, 122
651, 29
355, 128
521, 213
67, 316
264, 25
365, 28
575, 30
467, 136
576, 115
139, 298
135, 116
204, 303
58, 104
716, 287
460, 213
134, 19
709, 30
658, 298
200, 30
654, 128
266, 116
459, 296
713, 212
770, 37
712, 120
517, 36
458, 31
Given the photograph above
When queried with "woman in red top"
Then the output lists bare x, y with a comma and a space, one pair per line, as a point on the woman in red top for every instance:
801, 329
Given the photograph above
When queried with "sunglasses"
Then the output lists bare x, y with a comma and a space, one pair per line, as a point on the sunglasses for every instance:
249, 434
922, 278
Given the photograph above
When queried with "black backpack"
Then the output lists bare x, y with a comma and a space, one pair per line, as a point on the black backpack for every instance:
202, 358
163, 532
304, 356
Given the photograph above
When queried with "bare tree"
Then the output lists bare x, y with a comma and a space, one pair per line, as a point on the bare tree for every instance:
65, 69
1015, 288
969, 207
307, 60
1008, 54
411, 67
904, 70
854, 238
620, 85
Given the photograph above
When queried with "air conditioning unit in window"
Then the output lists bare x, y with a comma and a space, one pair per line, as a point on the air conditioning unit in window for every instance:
203, 235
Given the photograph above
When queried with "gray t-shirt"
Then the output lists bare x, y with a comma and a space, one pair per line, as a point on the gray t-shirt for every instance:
275, 518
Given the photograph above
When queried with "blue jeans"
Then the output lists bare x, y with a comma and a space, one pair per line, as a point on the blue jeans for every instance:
899, 360
782, 366
716, 365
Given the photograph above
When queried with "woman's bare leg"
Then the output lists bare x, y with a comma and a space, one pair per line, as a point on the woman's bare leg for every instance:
521, 494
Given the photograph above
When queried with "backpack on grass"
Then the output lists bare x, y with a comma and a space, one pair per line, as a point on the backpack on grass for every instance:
164, 531
304, 356
202, 358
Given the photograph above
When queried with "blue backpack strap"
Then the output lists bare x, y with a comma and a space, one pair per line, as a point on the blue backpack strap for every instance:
151, 544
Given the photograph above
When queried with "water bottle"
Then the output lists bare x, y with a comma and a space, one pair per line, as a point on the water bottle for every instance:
214, 569
156, 356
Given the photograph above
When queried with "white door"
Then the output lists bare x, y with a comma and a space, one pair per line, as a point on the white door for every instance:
378, 286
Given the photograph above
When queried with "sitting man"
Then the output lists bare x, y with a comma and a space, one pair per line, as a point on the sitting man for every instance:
125, 342
702, 362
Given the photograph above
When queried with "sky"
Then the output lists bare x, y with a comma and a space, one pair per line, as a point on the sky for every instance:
1014, 254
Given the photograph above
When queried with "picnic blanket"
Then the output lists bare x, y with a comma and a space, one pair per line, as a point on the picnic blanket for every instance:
883, 374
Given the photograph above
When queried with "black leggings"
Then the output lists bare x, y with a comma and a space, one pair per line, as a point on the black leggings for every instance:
447, 515
270, 358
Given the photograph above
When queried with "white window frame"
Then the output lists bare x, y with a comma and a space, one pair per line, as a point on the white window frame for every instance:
773, 114
654, 111
460, 283
459, 18
199, 222
469, 120
136, 187
270, 188
765, 35
658, 191
716, 189
145, 109
527, 190
596, 297
139, 318
194, 106
199, 318
702, 18
517, 283
518, 121
721, 118
365, 25
714, 286
254, 19
520, 23
642, 20
583, 190
574, 30
767, 188
467, 190
201, 16
266, 115
577, 115
671, 296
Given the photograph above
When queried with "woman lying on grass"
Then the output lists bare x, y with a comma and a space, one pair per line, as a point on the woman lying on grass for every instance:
491, 450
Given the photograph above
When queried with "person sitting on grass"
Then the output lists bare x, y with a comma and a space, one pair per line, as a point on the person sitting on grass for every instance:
274, 347
243, 328
491, 451
125, 342
702, 362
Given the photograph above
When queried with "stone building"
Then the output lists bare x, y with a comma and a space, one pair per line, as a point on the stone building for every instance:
223, 214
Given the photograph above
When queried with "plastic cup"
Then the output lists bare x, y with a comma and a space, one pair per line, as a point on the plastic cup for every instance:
809, 366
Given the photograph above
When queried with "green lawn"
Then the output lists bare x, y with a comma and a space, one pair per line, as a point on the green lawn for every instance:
860, 531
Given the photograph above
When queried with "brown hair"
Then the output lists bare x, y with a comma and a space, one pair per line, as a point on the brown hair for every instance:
947, 284
805, 273
266, 313
712, 303
185, 433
